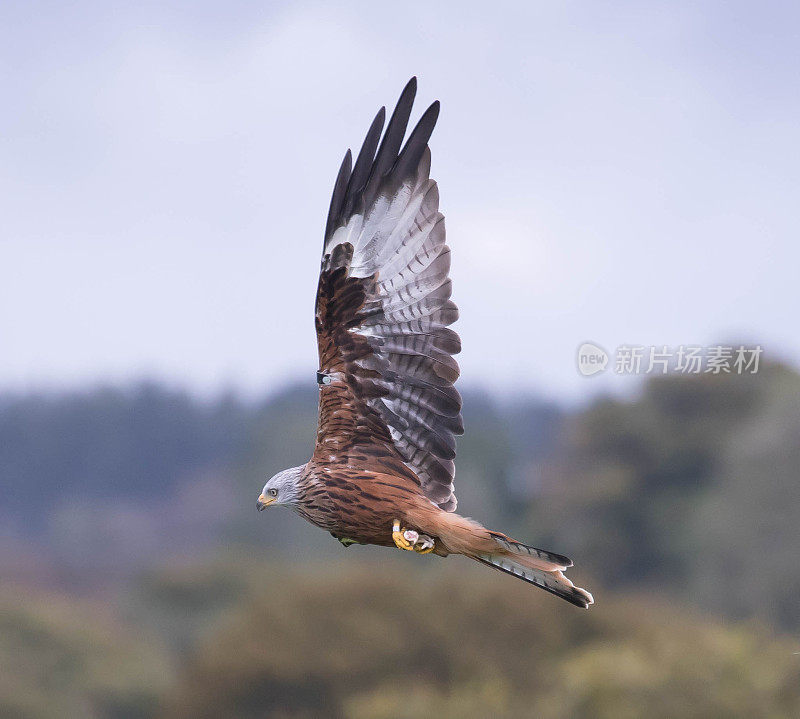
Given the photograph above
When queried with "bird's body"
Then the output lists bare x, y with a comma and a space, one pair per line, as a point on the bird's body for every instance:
359, 504
382, 468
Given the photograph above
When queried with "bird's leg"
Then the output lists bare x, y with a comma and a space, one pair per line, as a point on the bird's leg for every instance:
403, 538
410, 539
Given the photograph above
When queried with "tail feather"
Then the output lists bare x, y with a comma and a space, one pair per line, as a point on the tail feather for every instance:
460, 535
553, 581
518, 548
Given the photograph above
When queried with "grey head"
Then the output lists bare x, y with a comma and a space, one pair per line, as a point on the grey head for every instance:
281, 488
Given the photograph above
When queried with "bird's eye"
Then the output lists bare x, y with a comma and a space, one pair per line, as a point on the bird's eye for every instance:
273, 492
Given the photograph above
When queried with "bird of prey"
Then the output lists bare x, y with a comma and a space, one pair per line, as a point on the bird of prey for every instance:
382, 468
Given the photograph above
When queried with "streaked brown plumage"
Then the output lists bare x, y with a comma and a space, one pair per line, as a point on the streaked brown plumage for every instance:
388, 410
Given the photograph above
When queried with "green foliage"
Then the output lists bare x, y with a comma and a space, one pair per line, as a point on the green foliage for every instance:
631, 473
110, 443
747, 524
461, 642
688, 491
62, 658
182, 600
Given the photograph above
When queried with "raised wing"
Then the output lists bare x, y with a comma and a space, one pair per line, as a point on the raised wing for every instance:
383, 309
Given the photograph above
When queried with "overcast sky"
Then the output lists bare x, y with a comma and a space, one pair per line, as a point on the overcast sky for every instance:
609, 171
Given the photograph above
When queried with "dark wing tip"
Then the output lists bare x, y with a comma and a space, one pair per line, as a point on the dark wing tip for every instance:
392, 140
356, 186
361, 170
411, 154
339, 193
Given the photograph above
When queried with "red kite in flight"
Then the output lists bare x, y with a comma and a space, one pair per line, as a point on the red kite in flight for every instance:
382, 469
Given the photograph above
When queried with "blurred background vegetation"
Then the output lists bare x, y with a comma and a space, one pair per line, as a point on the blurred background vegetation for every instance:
139, 581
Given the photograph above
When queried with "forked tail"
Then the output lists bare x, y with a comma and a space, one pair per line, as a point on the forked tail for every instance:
536, 566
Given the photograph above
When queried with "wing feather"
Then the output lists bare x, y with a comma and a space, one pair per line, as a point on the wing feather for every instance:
384, 309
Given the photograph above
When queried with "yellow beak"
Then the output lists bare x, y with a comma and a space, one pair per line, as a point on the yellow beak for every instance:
263, 501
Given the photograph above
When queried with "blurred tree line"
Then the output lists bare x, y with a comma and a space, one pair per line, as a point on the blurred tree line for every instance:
680, 505
111, 443
377, 643
690, 488
388, 640
693, 489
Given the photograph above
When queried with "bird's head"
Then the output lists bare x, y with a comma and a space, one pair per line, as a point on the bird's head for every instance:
280, 489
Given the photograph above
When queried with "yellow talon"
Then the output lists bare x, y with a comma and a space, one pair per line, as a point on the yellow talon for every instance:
409, 539
399, 538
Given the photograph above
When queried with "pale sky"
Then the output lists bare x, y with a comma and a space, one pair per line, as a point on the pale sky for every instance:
609, 171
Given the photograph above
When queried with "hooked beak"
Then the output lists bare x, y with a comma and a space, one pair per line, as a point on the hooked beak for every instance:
263, 502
